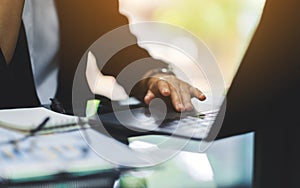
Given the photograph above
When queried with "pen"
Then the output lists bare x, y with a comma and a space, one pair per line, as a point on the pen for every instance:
40, 127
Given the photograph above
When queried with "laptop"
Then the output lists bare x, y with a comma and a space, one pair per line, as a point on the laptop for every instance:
130, 118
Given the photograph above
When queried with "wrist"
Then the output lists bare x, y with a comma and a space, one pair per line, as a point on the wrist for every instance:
160, 71
166, 71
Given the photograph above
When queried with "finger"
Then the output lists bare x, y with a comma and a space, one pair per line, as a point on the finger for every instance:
149, 96
163, 88
197, 93
186, 99
176, 100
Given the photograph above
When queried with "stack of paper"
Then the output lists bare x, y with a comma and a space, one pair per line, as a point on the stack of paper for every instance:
26, 119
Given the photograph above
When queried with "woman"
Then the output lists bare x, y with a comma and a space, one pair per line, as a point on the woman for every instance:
80, 24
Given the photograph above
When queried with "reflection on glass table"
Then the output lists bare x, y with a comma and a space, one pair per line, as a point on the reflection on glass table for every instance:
227, 163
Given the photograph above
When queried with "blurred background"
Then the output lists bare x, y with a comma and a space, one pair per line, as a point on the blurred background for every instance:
226, 27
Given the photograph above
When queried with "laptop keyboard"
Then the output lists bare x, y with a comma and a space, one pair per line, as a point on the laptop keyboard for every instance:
187, 124
192, 126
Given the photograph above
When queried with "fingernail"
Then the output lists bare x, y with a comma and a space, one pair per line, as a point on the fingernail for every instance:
146, 100
189, 107
202, 97
166, 91
180, 107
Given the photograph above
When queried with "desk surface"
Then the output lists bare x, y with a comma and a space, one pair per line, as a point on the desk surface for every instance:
227, 163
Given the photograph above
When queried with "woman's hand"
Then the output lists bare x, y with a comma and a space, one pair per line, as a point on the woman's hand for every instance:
169, 86
162, 85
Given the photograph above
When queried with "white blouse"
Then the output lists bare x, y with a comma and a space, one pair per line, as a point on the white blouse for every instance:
42, 31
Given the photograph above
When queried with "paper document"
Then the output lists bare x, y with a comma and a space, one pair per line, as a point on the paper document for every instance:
68, 152
47, 155
25, 119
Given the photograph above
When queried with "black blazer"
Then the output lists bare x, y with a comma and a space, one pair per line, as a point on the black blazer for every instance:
264, 96
17, 87
82, 22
